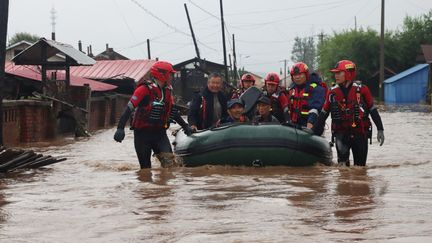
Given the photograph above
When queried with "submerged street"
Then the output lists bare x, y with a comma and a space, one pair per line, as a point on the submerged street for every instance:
98, 195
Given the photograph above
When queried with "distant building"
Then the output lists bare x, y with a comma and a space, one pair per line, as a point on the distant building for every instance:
122, 73
109, 54
192, 77
18, 47
408, 87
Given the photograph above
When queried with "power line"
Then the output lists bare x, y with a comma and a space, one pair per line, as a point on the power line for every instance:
127, 25
283, 19
214, 16
167, 24
284, 10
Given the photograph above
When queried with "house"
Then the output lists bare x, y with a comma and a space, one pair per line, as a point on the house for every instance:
408, 87
192, 77
109, 54
122, 73
18, 47
67, 104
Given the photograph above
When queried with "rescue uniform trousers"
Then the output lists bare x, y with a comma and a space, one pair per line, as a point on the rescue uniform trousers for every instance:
146, 140
358, 143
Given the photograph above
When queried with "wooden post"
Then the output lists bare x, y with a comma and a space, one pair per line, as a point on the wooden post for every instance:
381, 80
234, 60
192, 32
223, 42
4, 13
148, 49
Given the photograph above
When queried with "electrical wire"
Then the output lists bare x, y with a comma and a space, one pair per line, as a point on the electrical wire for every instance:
168, 25
127, 25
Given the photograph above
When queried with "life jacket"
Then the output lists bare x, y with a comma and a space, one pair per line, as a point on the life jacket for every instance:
276, 106
349, 114
154, 110
298, 102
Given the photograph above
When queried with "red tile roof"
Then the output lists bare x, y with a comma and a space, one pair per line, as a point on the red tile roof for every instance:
33, 73
114, 69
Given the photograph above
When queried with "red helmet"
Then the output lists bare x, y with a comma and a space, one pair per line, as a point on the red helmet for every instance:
162, 70
298, 68
248, 77
272, 78
346, 66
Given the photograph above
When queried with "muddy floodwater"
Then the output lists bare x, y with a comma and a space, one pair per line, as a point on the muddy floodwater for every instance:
98, 195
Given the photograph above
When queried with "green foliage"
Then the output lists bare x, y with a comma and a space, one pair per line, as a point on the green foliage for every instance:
362, 47
20, 36
304, 50
415, 31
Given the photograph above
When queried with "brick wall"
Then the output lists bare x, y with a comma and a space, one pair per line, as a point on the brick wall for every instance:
11, 125
27, 121
33, 121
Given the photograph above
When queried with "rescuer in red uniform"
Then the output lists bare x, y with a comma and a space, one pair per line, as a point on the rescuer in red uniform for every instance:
305, 96
278, 99
350, 103
247, 81
152, 103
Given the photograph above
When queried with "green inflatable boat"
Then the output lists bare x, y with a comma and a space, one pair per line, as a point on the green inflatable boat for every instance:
252, 145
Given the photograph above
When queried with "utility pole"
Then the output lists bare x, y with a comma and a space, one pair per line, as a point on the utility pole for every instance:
285, 73
53, 23
4, 12
381, 79
192, 33
148, 49
355, 23
223, 42
234, 59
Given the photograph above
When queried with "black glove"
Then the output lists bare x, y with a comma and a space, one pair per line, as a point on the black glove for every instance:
119, 135
380, 137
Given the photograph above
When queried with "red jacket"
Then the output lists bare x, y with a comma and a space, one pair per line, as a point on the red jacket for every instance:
145, 98
349, 108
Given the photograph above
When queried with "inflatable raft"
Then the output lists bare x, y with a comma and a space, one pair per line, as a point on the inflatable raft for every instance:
252, 145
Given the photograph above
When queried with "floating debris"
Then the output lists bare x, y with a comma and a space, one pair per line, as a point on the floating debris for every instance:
15, 159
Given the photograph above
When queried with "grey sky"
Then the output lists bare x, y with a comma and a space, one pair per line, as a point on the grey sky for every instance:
264, 29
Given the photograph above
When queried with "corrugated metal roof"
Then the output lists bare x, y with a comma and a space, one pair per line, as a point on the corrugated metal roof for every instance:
427, 52
405, 73
32, 54
115, 69
33, 73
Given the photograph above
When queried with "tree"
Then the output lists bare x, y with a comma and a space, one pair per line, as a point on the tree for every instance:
415, 32
304, 50
23, 36
359, 46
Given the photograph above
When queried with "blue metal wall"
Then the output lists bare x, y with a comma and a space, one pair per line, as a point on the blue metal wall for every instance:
408, 87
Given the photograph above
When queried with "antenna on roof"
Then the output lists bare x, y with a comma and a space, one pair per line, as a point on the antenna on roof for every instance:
53, 22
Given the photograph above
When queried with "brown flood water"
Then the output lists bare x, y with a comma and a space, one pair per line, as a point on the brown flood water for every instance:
97, 195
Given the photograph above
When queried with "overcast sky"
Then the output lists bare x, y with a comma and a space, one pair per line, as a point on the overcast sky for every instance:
264, 30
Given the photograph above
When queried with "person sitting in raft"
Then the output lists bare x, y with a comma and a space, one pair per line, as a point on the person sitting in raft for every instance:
235, 112
264, 111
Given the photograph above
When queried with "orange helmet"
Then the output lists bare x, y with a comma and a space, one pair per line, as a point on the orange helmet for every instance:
162, 70
248, 77
346, 66
272, 78
299, 67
